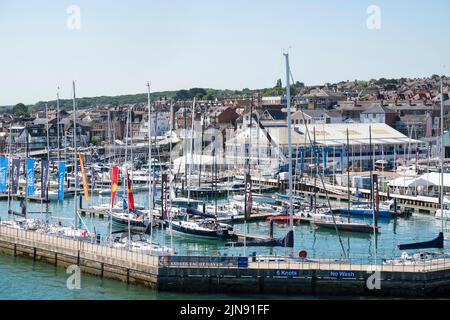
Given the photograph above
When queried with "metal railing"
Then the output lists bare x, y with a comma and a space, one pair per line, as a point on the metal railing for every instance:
84, 249
122, 257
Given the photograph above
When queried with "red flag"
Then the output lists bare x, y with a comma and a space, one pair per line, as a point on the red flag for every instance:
130, 194
114, 184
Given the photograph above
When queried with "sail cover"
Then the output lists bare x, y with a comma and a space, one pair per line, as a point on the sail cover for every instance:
248, 197
165, 214
437, 243
199, 213
286, 242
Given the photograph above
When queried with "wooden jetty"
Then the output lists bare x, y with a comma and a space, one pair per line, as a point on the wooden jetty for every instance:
250, 236
306, 187
17, 197
255, 217
102, 214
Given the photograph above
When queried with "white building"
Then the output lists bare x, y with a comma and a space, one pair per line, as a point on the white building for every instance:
159, 125
268, 147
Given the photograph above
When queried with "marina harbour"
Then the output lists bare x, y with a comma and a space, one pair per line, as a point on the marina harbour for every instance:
123, 178
317, 242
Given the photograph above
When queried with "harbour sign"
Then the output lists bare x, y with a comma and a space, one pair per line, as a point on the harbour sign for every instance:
342, 274
287, 273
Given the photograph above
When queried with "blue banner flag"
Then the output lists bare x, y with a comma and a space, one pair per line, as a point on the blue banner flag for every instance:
3, 174
44, 179
15, 176
30, 177
61, 174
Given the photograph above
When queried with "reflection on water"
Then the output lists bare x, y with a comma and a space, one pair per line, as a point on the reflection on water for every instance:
28, 280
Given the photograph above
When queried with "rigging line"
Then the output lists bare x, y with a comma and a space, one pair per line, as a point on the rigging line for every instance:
322, 181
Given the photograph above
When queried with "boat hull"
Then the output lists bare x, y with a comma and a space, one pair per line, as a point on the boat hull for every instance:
365, 213
347, 227
213, 235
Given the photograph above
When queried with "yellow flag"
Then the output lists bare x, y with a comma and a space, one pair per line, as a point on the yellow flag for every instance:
83, 175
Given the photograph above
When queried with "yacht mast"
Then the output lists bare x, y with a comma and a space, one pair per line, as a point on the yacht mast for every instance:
171, 174
289, 120
48, 147
10, 168
57, 123
75, 152
442, 154
191, 148
150, 183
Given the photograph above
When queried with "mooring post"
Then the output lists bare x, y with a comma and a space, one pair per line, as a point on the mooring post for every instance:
271, 229
56, 259
34, 254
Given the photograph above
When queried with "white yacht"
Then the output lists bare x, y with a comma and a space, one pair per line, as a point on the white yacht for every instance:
141, 243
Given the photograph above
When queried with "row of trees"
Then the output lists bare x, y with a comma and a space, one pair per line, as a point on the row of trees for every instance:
20, 110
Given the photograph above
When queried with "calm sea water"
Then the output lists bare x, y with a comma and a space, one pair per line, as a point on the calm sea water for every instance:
24, 279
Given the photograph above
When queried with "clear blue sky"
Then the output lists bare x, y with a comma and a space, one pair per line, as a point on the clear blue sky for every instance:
212, 43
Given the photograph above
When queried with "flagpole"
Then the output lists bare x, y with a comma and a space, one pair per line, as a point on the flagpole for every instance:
57, 125
150, 183
10, 169
75, 170
442, 155
289, 120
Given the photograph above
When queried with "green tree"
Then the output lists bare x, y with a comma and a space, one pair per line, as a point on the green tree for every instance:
20, 110
279, 84
96, 140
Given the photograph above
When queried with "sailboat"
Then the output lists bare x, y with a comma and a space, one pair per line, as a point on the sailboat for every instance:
141, 242
72, 231
285, 242
342, 224
430, 258
191, 222
444, 212
327, 222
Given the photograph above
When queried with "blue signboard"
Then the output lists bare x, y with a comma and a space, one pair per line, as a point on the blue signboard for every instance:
287, 273
243, 262
3, 174
61, 174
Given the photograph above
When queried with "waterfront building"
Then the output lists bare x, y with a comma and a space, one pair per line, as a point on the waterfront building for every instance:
267, 147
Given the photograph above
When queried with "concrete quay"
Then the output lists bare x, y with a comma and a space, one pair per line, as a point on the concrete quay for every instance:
230, 274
